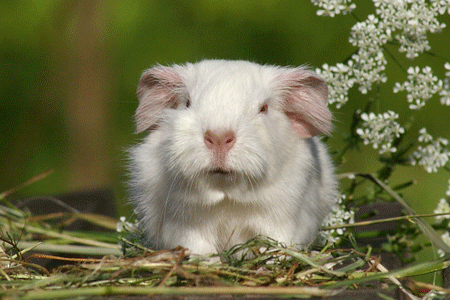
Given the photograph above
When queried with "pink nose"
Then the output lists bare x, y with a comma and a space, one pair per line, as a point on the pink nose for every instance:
220, 143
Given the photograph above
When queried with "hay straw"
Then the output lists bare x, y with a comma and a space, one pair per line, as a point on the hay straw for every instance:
260, 266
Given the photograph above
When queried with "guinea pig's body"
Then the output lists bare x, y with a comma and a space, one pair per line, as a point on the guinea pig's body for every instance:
231, 154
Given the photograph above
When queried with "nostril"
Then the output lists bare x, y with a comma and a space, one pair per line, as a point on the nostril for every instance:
210, 140
229, 140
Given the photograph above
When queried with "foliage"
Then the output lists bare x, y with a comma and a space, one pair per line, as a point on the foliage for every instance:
260, 266
405, 26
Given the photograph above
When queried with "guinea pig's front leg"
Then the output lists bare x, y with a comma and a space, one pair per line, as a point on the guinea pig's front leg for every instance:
192, 238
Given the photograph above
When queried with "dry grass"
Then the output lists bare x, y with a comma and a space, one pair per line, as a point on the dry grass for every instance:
260, 266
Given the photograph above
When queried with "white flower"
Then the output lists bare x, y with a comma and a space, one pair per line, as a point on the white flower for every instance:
331, 8
447, 67
448, 190
446, 239
119, 227
432, 156
445, 88
339, 82
380, 130
442, 208
424, 136
442, 6
420, 87
445, 99
123, 225
339, 215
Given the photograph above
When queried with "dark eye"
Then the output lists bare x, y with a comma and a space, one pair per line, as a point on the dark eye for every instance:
264, 109
188, 103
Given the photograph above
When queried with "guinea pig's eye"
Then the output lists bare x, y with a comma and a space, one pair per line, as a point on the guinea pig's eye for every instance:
188, 103
264, 109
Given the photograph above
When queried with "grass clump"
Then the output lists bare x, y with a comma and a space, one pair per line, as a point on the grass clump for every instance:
106, 264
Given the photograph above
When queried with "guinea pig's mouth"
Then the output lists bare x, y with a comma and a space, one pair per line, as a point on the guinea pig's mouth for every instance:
220, 171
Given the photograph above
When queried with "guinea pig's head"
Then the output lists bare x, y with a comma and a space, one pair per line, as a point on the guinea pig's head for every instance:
227, 121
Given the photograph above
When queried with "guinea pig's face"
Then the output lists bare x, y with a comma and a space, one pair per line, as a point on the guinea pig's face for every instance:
226, 121
227, 126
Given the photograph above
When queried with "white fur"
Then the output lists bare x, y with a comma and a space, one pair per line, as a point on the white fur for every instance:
281, 183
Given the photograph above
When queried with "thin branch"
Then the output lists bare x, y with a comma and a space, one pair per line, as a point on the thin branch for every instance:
372, 222
424, 226
25, 184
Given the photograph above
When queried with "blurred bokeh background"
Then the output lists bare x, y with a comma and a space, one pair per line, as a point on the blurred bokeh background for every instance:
69, 69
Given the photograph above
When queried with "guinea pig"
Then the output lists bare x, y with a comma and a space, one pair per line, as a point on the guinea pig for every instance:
232, 152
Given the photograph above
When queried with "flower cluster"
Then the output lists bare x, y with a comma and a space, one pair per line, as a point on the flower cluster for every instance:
337, 77
404, 24
413, 19
124, 226
420, 87
380, 130
333, 7
408, 22
445, 91
339, 215
432, 156
446, 239
369, 63
443, 208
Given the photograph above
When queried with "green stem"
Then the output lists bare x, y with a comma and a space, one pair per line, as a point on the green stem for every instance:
365, 223
180, 291
66, 236
424, 226
69, 249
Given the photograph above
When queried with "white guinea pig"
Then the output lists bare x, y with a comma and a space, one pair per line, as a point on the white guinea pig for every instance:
231, 153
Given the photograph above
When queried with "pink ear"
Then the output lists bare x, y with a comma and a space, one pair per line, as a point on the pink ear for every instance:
159, 88
305, 97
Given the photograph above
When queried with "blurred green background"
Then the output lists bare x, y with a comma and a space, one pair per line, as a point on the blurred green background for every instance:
69, 70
